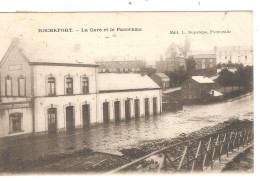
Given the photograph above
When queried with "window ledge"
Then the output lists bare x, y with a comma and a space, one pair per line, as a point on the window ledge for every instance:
13, 132
52, 95
16, 96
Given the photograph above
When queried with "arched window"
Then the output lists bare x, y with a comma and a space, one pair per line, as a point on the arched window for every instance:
85, 85
51, 86
69, 85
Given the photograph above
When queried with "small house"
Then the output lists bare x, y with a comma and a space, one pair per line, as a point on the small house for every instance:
161, 79
196, 88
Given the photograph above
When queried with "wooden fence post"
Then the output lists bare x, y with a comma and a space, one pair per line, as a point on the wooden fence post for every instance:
238, 142
196, 156
219, 152
211, 154
201, 157
234, 142
207, 150
228, 143
231, 142
243, 136
223, 143
249, 131
182, 158
187, 156
214, 149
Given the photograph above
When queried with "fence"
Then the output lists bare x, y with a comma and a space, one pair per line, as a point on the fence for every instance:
195, 154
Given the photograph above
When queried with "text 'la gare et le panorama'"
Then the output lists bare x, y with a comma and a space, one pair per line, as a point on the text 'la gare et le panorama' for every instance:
69, 30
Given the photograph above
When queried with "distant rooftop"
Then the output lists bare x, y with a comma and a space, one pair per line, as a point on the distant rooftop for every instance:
115, 61
204, 54
229, 48
42, 52
202, 80
117, 82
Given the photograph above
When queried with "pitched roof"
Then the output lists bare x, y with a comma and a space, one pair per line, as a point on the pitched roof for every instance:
117, 82
214, 77
162, 75
205, 56
42, 53
202, 80
215, 93
171, 90
198, 52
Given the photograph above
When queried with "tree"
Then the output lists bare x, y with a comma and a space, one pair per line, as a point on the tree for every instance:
178, 76
148, 70
244, 76
224, 65
230, 65
190, 64
219, 66
225, 78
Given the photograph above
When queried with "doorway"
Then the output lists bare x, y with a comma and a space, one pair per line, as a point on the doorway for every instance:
70, 121
105, 112
52, 120
137, 108
155, 105
86, 115
127, 110
146, 106
117, 110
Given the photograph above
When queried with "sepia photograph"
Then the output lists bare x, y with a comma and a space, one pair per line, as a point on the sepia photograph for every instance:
111, 93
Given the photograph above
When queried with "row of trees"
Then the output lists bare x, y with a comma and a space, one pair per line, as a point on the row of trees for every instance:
242, 77
229, 65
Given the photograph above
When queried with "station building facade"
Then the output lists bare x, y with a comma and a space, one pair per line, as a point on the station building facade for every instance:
127, 96
38, 96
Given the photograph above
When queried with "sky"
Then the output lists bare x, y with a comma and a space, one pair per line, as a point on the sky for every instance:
147, 44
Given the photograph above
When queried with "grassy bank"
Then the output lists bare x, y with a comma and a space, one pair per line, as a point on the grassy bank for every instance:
244, 162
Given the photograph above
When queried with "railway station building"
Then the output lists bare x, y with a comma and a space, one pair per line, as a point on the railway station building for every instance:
46, 92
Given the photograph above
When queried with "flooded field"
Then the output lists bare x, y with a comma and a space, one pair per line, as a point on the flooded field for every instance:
113, 137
